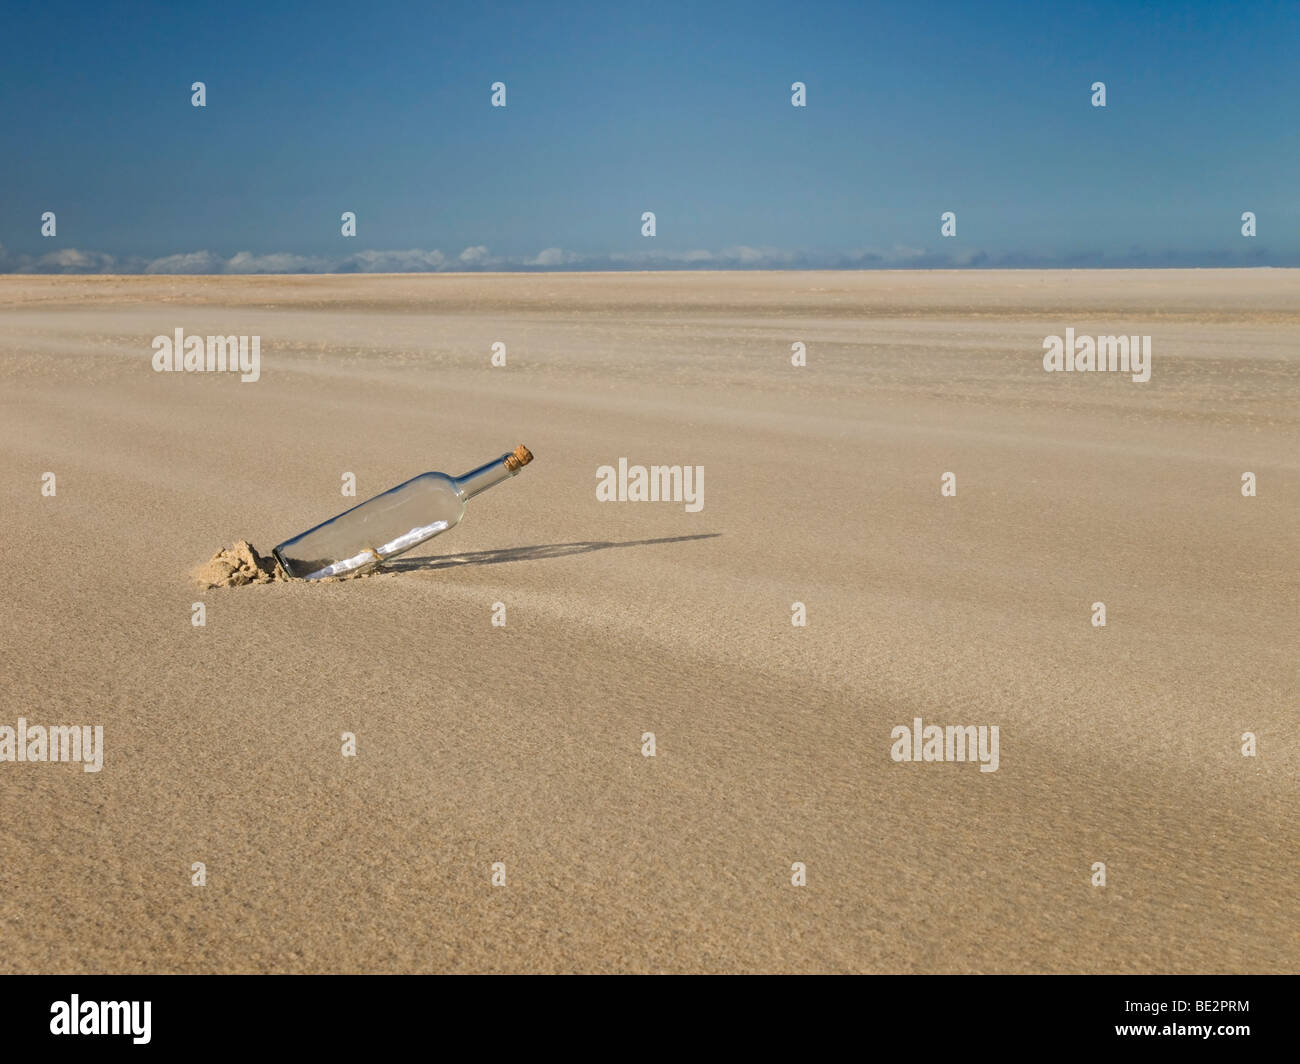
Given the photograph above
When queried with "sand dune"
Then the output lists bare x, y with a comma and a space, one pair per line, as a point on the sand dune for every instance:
523, 744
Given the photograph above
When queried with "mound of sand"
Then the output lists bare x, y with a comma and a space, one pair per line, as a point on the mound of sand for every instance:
236, 566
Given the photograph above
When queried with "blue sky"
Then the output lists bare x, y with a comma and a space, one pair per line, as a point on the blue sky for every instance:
618, 108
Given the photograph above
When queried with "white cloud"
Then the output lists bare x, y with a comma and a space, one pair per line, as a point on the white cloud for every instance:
412, 261
550, 257
191, 262
479, 257
74, 260
282, 262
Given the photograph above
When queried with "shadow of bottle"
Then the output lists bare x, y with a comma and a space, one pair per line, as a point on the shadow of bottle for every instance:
524, 554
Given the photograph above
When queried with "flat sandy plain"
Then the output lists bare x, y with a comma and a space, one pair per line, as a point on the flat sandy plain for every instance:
479, 744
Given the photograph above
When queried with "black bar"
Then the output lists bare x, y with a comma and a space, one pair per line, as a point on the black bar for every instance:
337, 1014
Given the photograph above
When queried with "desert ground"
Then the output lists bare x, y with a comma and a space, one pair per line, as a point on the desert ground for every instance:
522, 745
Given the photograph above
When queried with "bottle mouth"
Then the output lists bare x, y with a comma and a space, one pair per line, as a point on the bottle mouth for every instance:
518, 458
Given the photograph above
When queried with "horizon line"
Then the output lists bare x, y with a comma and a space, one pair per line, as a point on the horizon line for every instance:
92, 275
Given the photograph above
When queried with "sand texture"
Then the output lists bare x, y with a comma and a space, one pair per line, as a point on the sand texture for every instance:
522, 744
236, 566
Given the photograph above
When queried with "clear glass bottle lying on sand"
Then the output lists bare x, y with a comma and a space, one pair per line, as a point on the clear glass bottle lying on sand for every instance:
390, 524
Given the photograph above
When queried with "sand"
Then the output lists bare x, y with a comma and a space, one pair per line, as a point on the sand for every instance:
521, 744
237, 566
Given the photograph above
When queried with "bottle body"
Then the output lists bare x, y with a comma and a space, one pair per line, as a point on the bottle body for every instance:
390, 524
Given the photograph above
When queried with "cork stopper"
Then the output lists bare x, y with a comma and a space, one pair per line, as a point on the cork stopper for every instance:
518, 458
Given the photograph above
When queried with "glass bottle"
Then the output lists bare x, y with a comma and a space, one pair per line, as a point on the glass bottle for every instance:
390, 524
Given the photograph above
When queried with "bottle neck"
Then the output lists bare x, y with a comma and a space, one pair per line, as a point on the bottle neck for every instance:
485, 476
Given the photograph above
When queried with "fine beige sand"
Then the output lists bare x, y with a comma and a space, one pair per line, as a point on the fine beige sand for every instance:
522, 744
